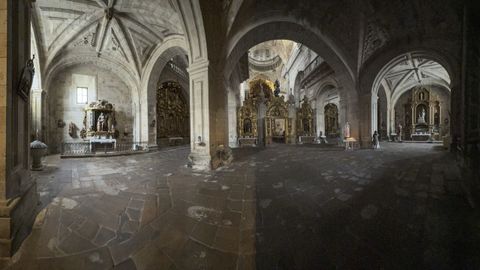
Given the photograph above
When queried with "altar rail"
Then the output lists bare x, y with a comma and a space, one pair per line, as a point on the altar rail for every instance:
85, 149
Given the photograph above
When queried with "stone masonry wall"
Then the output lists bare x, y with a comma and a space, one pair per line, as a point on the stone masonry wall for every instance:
101, 85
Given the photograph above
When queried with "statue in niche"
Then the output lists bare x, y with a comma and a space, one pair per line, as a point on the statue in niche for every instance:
247, 126
101, 122
276, 92
423, 114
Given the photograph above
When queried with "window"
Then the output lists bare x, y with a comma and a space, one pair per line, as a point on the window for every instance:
82, 95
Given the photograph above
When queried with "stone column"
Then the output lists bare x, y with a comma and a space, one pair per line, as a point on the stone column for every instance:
208, 118
261, 113
200, 156
374, 113
389, 106
232, 118
365, 117
320, 118
392, 121
18, 196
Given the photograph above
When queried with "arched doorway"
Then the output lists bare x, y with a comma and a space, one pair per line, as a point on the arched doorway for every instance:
328, 103
167, 63
261, 32
415, 89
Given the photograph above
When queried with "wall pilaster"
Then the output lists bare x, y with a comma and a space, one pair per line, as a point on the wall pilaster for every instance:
18, 196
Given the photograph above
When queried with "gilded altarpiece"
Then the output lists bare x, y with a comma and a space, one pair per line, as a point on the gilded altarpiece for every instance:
247, 120
172, 112
331, 121
278, 126
261, 86
422, 116
305, 119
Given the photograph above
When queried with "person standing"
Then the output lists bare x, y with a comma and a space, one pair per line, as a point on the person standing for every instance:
375, 141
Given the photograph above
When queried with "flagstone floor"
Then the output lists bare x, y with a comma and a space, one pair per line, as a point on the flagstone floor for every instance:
284, 207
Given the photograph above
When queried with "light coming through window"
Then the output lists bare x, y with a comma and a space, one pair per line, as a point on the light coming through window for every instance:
82, 95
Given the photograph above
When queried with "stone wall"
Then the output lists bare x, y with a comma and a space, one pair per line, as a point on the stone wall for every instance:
470, 158
102, 85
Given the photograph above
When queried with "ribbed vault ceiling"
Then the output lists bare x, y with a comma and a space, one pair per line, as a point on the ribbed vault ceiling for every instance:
125, 30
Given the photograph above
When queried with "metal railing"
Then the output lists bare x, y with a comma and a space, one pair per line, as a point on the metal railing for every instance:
88, 149
182, 73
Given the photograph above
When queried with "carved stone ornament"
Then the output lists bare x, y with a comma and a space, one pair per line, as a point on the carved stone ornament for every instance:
26, 79
99, 120
376, 37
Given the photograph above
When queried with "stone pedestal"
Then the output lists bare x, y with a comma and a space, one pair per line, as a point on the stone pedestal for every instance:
38, 150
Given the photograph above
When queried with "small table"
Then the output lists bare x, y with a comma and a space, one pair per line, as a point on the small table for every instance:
350, 143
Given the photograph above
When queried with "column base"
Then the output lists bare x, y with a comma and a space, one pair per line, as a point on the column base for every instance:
199, 161
203, 162
153, 147
17, 216
365, 143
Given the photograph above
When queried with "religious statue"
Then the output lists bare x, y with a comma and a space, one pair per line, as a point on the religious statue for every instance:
346, 130
101, 122
276, 92
26, 79
400, 132
247, 129
421, 117
72, 130
375, 140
